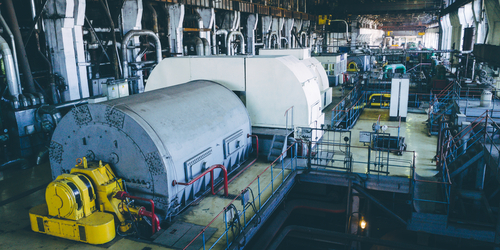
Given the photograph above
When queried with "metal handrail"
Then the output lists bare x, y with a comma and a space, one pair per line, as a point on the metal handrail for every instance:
211, 171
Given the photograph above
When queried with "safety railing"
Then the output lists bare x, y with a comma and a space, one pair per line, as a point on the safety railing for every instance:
378, 163
334, 153
482, 130
440, 105
469, 135
236, 217
347, 111
444, 186
493, 148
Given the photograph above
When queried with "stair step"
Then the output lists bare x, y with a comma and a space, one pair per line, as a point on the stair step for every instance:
276, 152
279, 138
278, 145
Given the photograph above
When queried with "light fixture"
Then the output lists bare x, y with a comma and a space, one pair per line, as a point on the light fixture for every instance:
362, 223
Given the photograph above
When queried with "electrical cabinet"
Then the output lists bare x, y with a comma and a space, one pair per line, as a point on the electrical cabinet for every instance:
400, 89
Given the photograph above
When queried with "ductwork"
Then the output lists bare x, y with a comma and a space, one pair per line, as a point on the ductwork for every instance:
228, 43
10, 68
126, 40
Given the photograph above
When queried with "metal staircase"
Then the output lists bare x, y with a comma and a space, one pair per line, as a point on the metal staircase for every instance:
465, 188
277, 147
441, 104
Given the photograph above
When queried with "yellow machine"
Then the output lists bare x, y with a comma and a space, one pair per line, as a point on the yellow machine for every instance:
352, 67
88, 205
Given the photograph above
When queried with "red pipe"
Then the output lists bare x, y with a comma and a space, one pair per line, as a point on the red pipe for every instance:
155, 222
209, 170
249, 164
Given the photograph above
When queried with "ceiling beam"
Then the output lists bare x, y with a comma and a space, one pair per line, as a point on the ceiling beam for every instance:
454, 6
393, 8
406, 27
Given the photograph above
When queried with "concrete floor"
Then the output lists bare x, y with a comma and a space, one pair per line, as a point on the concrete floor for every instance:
415, 132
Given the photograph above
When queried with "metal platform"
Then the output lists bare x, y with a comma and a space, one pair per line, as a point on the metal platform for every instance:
438, 224
370, 181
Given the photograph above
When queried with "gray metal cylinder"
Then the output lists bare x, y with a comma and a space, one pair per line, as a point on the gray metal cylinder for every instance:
10, 68
154, 138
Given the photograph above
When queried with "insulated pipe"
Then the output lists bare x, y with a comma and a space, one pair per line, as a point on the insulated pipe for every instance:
14, 53
199, 46
127, 38
10, 70
198, 43
206, 47
220, 32
346, 27
23, 101
23, 60
242, 42
14, 102
303, 37
32, 98
274, 33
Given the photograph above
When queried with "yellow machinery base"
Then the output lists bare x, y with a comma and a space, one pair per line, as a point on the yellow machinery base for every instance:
98, 228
